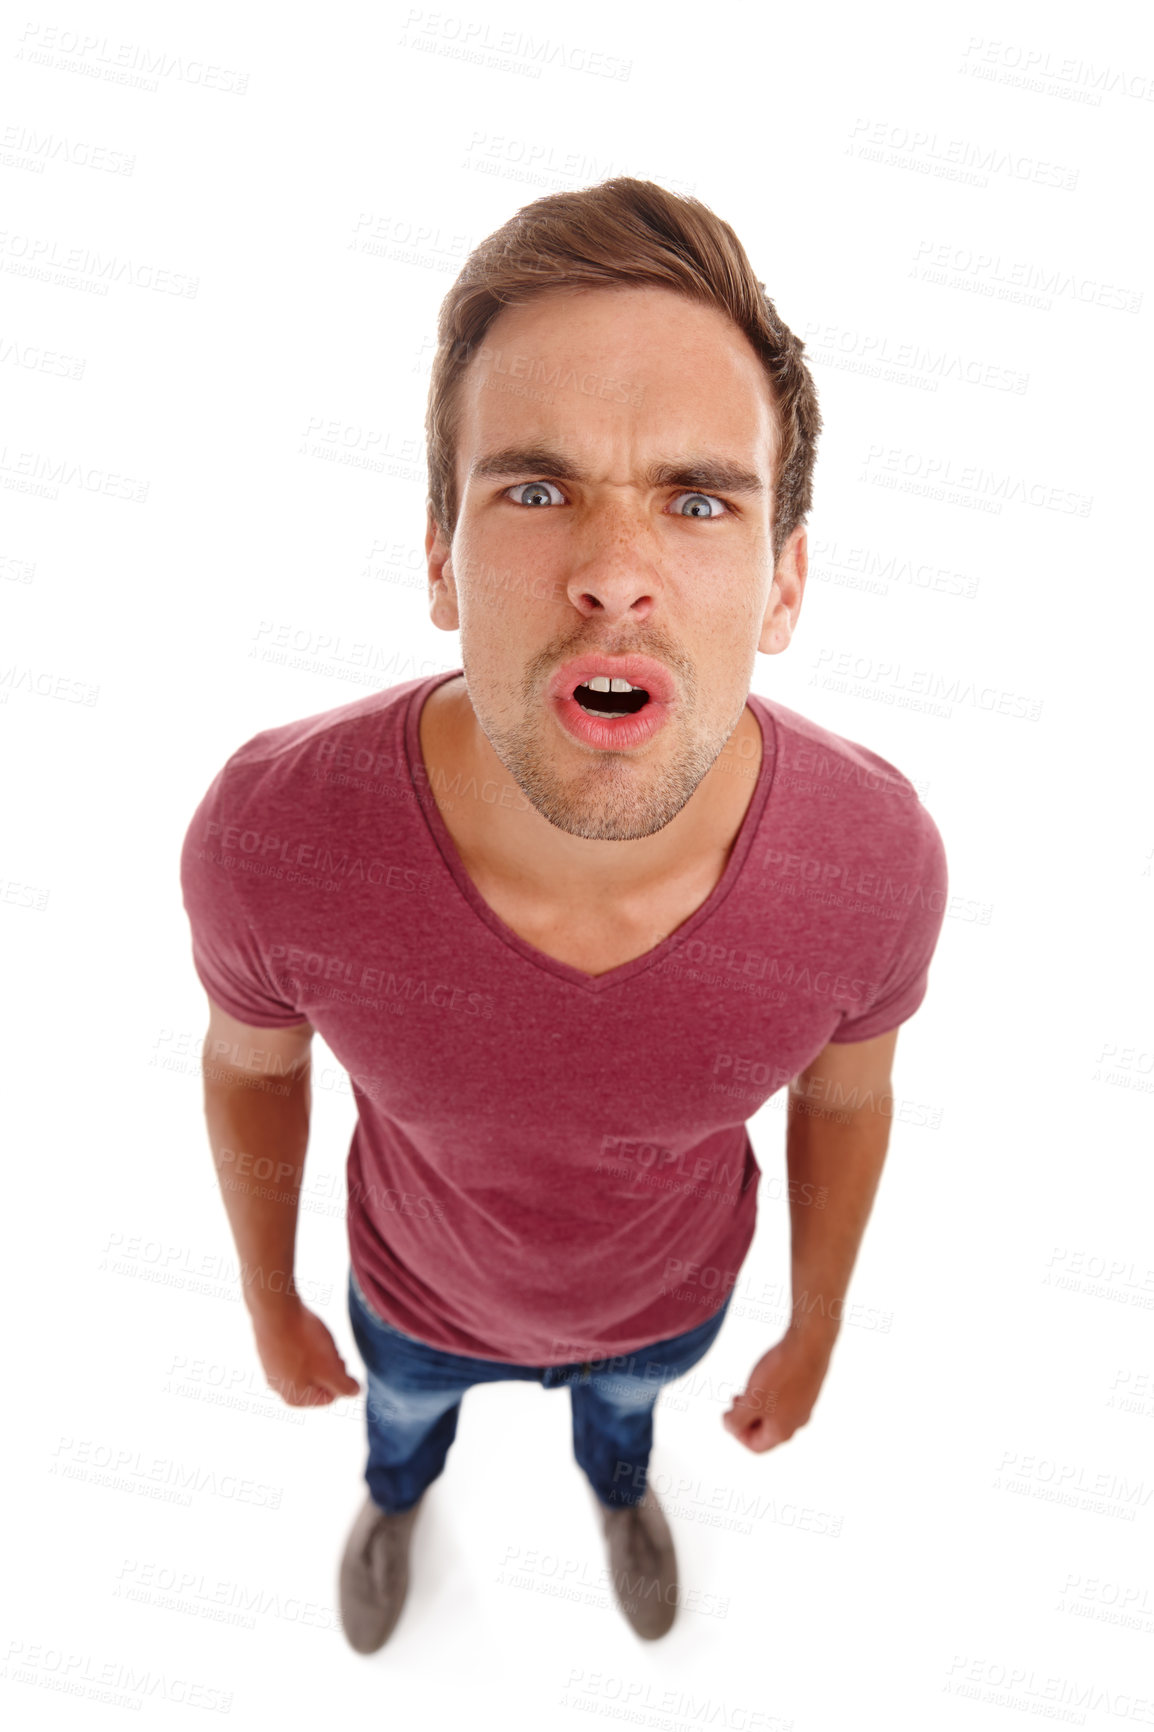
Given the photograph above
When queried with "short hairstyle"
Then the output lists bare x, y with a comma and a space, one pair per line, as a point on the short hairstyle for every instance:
619, 233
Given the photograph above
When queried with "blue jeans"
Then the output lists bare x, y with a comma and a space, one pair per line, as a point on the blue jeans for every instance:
414, 1399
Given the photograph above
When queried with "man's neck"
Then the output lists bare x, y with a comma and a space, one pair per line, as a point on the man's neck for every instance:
499, 834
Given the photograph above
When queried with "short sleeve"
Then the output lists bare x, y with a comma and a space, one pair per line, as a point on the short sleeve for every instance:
226, 950
907, 974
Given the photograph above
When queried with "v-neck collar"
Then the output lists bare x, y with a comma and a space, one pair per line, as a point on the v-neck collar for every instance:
439, 831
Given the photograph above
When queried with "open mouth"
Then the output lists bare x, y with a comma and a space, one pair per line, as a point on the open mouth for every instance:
609, 703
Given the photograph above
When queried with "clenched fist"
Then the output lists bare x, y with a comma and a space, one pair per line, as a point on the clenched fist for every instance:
300, 1357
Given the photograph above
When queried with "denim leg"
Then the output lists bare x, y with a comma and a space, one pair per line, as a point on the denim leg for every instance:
411, 1411
613, 1402
409, 1436
613, 1435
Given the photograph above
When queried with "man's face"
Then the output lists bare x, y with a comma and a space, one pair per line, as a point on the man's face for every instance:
579, 546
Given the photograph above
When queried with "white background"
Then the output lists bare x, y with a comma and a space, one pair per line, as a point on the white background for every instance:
945, 205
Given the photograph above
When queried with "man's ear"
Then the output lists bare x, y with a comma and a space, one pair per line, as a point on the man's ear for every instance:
442, 584
785, 595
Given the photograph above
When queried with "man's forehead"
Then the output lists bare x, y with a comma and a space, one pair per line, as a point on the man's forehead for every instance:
618, 344
535, 398
612, 311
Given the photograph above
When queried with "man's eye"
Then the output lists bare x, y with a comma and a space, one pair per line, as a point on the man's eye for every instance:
699, 505
540, 489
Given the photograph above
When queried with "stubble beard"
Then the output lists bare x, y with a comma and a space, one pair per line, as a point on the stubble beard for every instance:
614, 798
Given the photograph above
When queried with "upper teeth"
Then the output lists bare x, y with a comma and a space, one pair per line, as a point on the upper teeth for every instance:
601, 683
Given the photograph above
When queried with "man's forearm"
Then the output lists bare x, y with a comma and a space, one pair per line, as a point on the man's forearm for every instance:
845, 1160
258, 1129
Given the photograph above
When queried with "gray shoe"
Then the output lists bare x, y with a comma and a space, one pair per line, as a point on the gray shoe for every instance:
643, 1564
374, 1575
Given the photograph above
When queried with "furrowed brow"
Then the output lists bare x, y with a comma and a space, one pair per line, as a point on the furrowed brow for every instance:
707, 475
704, 474
534, 460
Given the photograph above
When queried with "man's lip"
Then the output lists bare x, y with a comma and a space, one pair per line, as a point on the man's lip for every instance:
638, 670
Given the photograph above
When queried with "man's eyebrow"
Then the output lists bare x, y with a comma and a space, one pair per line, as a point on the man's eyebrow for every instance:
707, 474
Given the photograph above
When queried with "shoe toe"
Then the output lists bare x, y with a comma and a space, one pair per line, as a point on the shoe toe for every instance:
374, 1577
643, 1564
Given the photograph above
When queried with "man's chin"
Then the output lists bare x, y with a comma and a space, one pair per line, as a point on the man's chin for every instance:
601, 796
619, 808
605, 827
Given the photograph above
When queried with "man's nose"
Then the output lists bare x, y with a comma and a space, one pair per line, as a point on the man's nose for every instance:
612, 565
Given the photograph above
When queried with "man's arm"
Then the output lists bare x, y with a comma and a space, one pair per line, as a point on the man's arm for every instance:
257, 1102
839, 1117
838, 1131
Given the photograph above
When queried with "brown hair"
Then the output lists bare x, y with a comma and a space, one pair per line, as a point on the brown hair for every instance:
620, 232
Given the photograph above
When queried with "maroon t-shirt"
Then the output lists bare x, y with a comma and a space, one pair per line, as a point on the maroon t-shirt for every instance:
550, 1166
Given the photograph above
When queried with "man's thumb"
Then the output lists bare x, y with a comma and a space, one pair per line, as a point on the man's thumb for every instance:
337, 1378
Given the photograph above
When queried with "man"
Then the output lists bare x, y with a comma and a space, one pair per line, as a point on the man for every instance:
571, 914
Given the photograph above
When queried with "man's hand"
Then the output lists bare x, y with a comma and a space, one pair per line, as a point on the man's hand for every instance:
780, 1394
840, 1111
300, 1357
